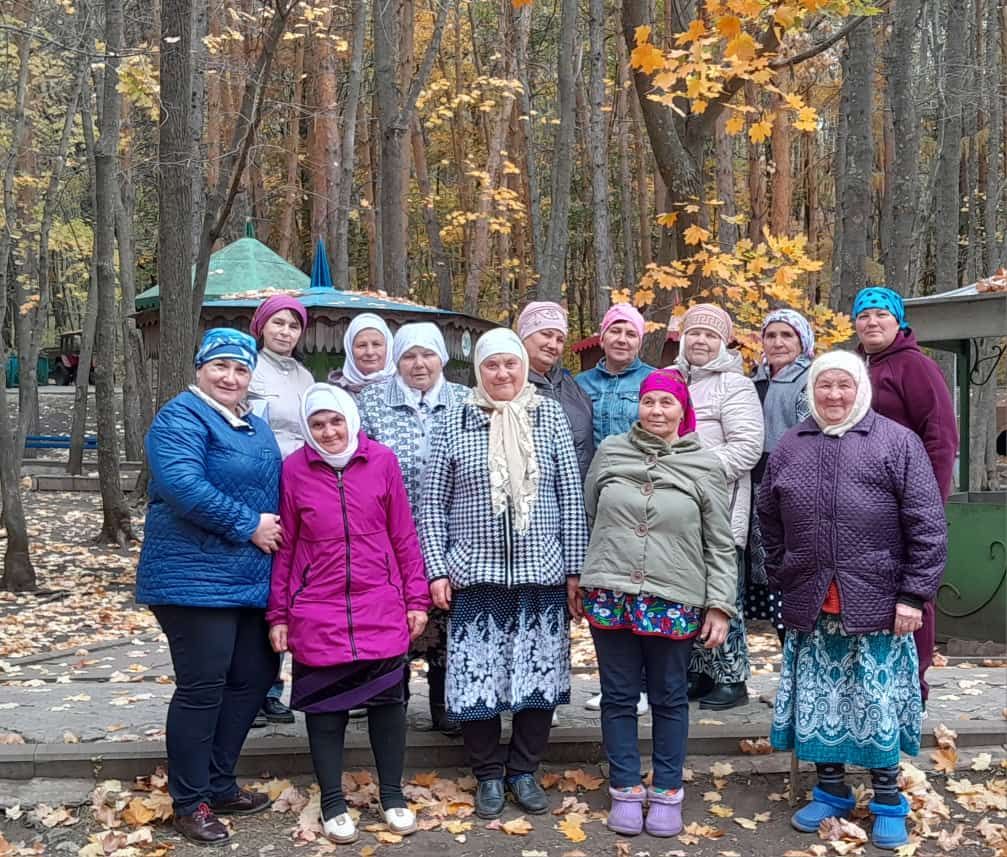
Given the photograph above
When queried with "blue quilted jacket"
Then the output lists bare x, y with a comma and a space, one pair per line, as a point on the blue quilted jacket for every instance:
209, 482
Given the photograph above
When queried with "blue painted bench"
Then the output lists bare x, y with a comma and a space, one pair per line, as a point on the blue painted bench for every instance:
56, 441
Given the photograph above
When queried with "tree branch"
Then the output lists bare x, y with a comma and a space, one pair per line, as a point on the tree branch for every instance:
821, 47
420, 78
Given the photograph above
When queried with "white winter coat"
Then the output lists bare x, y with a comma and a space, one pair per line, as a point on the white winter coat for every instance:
729, 421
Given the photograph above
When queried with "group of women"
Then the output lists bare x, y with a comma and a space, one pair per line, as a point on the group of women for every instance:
390, 513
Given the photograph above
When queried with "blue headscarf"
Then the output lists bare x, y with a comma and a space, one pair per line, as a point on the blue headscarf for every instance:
878, 297
226, 343
800, 325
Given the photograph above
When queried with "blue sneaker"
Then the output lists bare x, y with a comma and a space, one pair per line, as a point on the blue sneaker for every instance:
890, 824
823, 805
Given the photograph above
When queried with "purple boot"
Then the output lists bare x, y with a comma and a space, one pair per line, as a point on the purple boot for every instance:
626, 814
664, 818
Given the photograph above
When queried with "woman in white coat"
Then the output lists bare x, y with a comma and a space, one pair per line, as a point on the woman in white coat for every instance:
729, 421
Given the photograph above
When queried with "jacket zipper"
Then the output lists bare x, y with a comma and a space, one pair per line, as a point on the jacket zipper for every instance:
346, 533
301, 588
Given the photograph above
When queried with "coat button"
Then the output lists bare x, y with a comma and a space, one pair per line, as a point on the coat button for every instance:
642, 530
651, 459
636, 576
647, 489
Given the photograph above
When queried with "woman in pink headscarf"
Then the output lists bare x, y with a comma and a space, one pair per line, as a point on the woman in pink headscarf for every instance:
660, 572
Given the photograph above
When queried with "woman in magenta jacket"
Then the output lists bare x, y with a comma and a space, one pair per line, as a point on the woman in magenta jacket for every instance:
348, 593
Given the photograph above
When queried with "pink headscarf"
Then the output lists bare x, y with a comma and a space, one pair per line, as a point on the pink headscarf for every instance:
623, 312
671, 381
271, 306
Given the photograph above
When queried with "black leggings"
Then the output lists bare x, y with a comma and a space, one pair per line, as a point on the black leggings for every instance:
386, 726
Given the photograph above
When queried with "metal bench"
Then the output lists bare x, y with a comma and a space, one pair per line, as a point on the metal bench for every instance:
56, 441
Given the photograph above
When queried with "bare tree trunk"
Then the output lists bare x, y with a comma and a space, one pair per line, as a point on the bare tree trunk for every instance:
858, 70
903, 189
116, 525
782, 184
286, 236
439, 257
82, 382
597, 139
531, 176
18, 571
395, 111
727, 232
757, 171
340, 249
553, 265
623, 119
174, 232
197, 120
372, 196
947, 201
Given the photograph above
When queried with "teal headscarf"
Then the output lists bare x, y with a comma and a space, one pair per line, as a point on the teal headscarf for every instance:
878, 297
226, 343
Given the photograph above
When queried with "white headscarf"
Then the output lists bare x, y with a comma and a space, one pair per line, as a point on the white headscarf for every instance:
366, 321
326, 397
513, 464
853, 366
422, 334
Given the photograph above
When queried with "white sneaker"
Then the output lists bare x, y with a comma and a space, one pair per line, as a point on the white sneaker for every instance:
400, 820
341, 829
642, 705
594, 703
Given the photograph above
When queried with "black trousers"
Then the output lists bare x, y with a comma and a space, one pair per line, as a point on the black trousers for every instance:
224, 666
489, 759
386, 727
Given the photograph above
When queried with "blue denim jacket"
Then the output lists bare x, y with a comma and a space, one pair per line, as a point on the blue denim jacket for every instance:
615, 398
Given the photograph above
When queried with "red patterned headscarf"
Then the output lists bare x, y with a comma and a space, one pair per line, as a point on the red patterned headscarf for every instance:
671, 381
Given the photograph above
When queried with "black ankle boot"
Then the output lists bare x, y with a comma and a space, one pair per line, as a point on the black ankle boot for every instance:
725, 696
699, 685
438, 710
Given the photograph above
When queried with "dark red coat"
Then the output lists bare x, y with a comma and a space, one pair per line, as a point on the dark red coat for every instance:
910, 389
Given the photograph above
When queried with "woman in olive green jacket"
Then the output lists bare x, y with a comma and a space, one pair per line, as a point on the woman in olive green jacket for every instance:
661, 570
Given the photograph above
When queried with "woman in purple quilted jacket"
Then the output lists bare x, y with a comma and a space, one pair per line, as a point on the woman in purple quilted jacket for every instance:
855, 539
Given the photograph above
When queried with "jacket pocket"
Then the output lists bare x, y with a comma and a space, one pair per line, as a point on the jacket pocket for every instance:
301, 588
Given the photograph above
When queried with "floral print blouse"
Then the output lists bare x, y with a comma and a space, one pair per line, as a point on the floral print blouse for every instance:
648, 615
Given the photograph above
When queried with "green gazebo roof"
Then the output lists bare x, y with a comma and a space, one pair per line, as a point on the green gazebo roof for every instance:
245, 265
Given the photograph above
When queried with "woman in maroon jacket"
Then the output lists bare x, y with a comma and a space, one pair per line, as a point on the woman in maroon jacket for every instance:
855, 540
910, 389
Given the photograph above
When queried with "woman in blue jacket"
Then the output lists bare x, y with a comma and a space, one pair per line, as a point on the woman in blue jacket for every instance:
204, 570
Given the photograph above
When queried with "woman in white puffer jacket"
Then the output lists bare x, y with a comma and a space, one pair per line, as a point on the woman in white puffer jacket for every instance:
730, 423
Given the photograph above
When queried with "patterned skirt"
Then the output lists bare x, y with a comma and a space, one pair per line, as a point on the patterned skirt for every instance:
363, 684
508, 650
848, 698
729, 663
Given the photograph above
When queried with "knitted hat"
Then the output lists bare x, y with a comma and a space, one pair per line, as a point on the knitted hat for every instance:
542, 315
623, 312
711, 317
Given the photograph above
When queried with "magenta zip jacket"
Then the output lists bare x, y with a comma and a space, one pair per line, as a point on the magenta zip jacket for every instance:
350, 566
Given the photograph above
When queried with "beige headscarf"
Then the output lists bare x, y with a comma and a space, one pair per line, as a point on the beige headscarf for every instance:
513, 465
853, 366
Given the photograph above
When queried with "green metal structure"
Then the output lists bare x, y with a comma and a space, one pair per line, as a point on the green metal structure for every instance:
972, 601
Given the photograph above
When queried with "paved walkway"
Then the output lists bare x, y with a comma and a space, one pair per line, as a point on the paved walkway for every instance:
106, 707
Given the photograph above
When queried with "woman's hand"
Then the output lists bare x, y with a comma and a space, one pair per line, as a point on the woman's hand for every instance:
268, 536
714, 630
278, 638
440, 592
574, 598
907, 620
417, 622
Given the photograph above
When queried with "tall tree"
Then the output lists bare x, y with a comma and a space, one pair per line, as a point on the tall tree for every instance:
597, 140
553, 265
116, 525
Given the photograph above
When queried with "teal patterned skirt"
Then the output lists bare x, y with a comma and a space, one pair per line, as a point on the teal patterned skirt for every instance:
851, 699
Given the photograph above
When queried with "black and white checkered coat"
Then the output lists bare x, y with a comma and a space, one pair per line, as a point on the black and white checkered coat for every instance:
462, 539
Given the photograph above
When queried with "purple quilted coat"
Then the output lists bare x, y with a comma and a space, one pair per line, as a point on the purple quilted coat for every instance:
863, 509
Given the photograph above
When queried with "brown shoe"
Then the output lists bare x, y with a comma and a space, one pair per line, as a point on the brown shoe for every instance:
202, 827
243, 803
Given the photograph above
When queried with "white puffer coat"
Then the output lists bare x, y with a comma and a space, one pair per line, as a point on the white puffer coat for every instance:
729, 422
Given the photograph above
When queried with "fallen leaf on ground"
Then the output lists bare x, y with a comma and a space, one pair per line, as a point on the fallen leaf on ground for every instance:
747, 823
758, 747
945, 737
721, 811
836, 829
426, 779
711, 797
579, 779
549, 780
721, 769
945, 759
949, 840
982, 762
571, 828
456, 827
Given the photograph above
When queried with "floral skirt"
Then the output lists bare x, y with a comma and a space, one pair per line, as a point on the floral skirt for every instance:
508, 650
848, 698
729, 663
